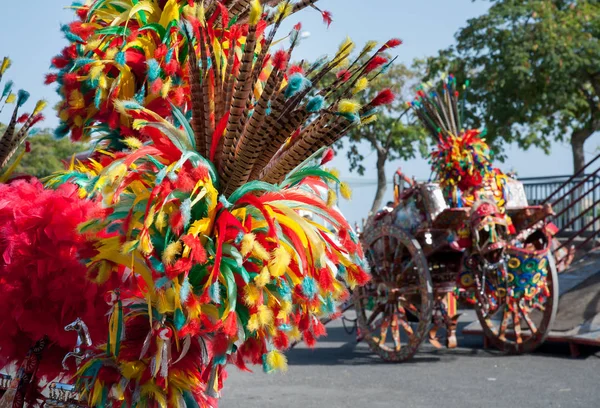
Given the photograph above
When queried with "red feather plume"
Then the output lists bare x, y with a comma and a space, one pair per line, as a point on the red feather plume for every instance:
376, 62
384, 97
44, 284
327, 18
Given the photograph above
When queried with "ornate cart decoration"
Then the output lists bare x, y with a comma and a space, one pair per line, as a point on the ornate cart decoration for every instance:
469, 234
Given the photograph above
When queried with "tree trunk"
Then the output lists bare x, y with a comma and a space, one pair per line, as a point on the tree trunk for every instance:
577, 141
381, 181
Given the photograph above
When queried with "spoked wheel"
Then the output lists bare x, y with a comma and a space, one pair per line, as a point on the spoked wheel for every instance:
399, 297
517, 325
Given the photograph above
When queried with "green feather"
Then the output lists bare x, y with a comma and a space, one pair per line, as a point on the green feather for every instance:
227, 273
189, 132
312, 171
117, 31
252, 186
157, 28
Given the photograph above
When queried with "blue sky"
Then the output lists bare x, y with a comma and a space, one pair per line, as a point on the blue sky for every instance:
30, 35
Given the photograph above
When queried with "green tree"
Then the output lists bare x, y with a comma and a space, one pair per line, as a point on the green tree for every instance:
394, 135
534, 68
47, 154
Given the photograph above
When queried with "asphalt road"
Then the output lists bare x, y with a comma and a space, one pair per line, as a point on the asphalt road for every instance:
340, 373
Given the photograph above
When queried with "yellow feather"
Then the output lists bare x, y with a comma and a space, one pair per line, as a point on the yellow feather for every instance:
78, 120
190, 11
253, 324
247, 244
153, 392
146, 244
170, 13
255, 12
280, 261
294, 334
39, 107
200, 227
201, 14
171, 251
285, 9
127, 83
161, 221
265, 316
348, 106
217, 50
4, 176
347, 46
76, 100
11, 98
194, 311
128, 246
116, 172
277, 361
6, 63
331, 198
251, 294
338, 289
360, 85
285, 310
111, 53
166, 87
63, 114
104, 270
150, 218
97, 393
93, 44
369, 46
263, 278
133, 143
260, 251
102, 82
96, 71
345, 191
367, 120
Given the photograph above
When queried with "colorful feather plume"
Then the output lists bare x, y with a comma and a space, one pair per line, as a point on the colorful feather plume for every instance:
462, 160
207, 153
244, 274
213, 64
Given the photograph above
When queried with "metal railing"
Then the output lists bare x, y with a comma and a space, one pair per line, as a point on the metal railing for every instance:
575, 200
578, 203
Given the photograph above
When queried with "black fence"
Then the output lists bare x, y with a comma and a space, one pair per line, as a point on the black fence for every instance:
575, 201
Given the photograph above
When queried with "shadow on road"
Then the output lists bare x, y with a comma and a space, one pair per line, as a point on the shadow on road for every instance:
351, 353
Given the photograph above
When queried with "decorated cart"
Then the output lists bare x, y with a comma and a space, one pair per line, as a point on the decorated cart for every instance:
470, 235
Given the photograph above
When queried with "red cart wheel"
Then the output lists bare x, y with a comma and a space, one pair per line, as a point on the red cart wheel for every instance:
399, 293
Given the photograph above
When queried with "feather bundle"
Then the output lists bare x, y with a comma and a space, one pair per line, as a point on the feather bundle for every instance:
462, 160
204, 162
13, 136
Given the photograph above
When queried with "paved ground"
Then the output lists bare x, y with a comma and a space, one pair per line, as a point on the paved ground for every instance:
339, 373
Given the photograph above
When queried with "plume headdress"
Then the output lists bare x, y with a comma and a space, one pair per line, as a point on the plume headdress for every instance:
207, 137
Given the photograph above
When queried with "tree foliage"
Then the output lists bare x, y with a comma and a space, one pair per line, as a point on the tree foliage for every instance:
394, 135
534, 68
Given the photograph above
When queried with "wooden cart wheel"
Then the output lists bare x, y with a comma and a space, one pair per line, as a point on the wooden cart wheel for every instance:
522, 326
399, 293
